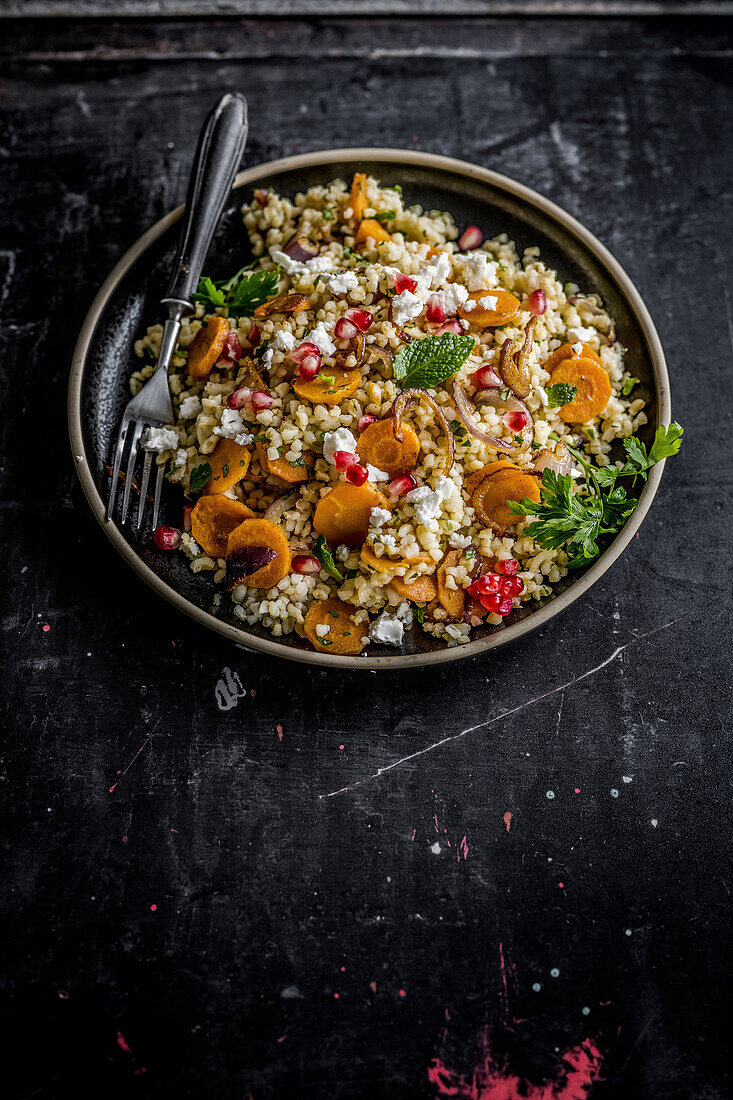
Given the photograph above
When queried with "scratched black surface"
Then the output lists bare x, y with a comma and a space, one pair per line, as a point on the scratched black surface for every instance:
223, 891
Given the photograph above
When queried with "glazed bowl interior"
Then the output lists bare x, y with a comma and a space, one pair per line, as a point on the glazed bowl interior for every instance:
128, 303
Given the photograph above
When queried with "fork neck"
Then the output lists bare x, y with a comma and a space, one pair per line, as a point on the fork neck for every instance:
171, 331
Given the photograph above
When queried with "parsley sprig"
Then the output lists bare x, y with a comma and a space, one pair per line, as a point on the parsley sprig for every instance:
325, 557
242, 293
565, 518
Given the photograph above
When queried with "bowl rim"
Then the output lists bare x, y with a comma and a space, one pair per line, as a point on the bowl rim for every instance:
396, 661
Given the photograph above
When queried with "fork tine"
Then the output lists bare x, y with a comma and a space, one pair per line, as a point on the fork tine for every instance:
156, 501
131, 468
144, 487
121, 438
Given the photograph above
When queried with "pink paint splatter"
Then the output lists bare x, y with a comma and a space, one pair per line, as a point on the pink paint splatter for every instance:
252, 692
579, 1069
336, 996
342, 747
281, 1039
153, 908
508, 819
577, 790
46, 628
279, 729
561, 885
402, 993
373, 987
125, 1048
414, 831
463, 850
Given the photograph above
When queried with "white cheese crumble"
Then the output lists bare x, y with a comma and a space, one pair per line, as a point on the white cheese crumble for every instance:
379, 516
159, 439
340, 440
437, 272
389, 542
342, 282
232, 426
295, 267
322, 629
321, 338
180, 458
459, 542
189, 407
284, 341
577, 348
405, 306
428, 502
454, 295
579, 333
479, 271
387, 629
375, 474
488, 301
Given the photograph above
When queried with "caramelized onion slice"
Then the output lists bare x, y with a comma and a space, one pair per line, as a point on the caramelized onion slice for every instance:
463, 408
411, 397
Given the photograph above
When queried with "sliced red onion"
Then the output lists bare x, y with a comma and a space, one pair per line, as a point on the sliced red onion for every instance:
578, 299
463, 408
274, 512
470, 238
560, 461
247, 561
511, 404
300, 248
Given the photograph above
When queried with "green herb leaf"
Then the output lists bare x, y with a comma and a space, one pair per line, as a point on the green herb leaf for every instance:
325, 557
425, 363
242, 293
667, 442
327, 215
210, 293
396, 187
200, 475
385, 216
629, 385
418, 611
561, 393
225, 471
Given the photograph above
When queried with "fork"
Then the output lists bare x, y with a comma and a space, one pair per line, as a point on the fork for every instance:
219, 151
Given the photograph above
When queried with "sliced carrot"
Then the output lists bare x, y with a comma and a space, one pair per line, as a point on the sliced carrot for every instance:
342, 515
474, 480
206, 347
490, 498
378, 446
284, 303
229, 463
359, 196
343, 635
280, 467
370, 227
212, 521
565, 351
243, 545
423, 590
506, 309
593, 386
452, 599
386, 564
330, 387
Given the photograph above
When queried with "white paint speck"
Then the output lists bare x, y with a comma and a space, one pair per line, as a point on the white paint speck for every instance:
554, 973
614, 792
627, 932
536, 987
586, 1010
654, 823
550, 795
626, 778
435, 848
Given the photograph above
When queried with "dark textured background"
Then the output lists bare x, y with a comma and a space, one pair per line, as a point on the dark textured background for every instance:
228, 876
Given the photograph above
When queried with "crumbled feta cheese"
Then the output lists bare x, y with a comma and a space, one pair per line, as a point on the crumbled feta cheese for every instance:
404, 612
189, 407
342, 282
387, 629
159, 439
428, 502
454, 295
580, 334
577, 348
542, 394
340, 440
322, 629
389, 542
320, 337
376, 475
232, 426
379, 516
295, 267
405, 306
180, 458
284, 341
460, 542
488, 301
438, 271
479, 271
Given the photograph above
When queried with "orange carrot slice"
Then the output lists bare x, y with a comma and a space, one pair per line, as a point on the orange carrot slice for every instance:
452, 599
565, 351
505, 310
490, 498
280, 467
213, 519
370, 227
343, 635
423, 590
359, 196
330, 387
378, 446
229, 463
342, 515
242, 545
593, 386
206, 347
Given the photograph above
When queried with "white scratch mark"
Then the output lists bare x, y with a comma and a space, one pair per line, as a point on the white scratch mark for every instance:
506, 714
228, 690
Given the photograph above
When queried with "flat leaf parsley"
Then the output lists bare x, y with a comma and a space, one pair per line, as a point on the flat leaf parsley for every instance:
242, 293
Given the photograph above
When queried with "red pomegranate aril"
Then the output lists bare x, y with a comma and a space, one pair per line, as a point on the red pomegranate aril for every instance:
364, 421
488, 582
357, 474
434, 312
239, 398
362, 318
537, 302
512, 586
508, 567
515, 421
491, 601
167, 538
303, 350
453, 326
306, 564
505, 607
232, 350
187, 518
345, 329
486, 378
262, 400
343, 459
404, 282
470, 238
310, 367
402, 484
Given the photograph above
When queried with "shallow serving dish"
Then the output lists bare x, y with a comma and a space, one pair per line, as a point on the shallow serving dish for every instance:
128, 301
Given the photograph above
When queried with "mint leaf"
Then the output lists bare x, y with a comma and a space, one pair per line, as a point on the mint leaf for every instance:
325, 557
200, 475
629, 385
425, 363
561, 393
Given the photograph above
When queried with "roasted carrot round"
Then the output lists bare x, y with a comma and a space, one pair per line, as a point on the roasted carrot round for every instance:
280, 467
504, 310
421, 590
258, 554
593, 386
359, 196
213, 519
284, 303
330, 387
565, 351
490, 498
474, 480
452, 599
342, 515
229, 463
378, 446
206, 347
343, 635
386, 564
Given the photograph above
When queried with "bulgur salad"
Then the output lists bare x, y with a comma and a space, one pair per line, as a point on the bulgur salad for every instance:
388, 425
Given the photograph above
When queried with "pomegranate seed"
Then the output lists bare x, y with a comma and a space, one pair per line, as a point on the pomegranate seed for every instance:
232, 350
305, 563
309, 367
306, 348
488, 582
357, 474
187, 517
255, 335
345, 329
537, 302
470, 238
239, 398
434, 312
362, 318
404, 282
167, 538
508, 567
343, 459
515, 421
512, 586
401, 484
486, 378
262, 400
505, 607
453, 326
364, 421
491, 601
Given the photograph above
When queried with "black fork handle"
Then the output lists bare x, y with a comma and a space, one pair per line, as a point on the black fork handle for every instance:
219, 151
